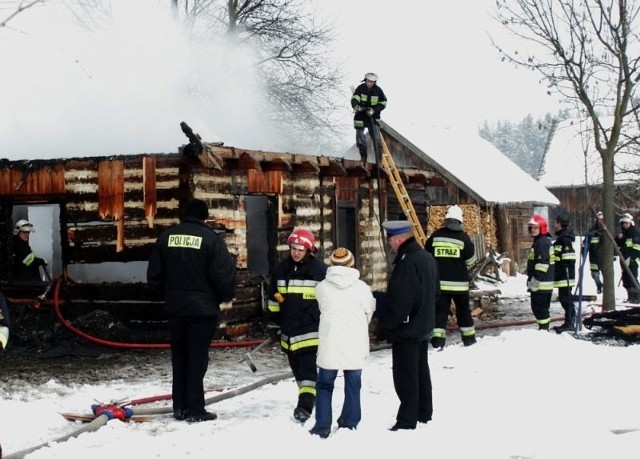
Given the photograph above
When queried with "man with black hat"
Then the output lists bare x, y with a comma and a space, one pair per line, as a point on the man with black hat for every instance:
191, 265
565, 270
408, 319
367, 101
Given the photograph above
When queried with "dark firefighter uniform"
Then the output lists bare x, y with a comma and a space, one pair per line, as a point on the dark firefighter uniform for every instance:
408, 320
628, 240
190, 263
455, 253
367, 104
26, 266
565, 271
540, 276
298, 316
596, 235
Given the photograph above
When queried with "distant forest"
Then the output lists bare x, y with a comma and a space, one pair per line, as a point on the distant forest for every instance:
524, 142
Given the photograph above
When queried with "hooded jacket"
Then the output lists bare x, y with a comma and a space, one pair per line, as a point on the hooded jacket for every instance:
346, 307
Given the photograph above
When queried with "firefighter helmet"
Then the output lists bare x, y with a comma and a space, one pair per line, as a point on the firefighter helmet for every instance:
303, 237
539, 221
626, 218
454, 212
23, 226
371, 77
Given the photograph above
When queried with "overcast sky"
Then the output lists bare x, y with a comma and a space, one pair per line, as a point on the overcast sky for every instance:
125, 89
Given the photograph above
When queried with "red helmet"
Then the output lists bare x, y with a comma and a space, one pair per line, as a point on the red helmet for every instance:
304, 238
540, 221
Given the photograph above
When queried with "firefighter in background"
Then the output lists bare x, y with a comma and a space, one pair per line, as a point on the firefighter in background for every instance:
292, 303
26, 266
628, 240
565, 270
595, 250
367, 101
455, 253
540, 270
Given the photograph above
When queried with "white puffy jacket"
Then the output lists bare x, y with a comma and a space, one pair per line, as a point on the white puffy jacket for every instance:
346, 307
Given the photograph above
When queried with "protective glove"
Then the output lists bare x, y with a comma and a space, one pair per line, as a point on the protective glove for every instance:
273, 330
627, 261
370, 111
357, 108
41, 261
533, 285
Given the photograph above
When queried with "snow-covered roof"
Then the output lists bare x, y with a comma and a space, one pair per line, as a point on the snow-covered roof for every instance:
572, 160
474, 164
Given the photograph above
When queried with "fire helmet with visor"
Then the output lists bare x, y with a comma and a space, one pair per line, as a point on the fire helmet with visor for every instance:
539, 221
23, 226
304, 238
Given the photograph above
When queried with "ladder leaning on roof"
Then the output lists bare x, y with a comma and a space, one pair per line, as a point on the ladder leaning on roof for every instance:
389, 166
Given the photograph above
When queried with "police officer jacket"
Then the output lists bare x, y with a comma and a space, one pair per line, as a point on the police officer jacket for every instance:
455, 253
369, 98
540, 263
298, 314
190, 263
412, 292
564, 258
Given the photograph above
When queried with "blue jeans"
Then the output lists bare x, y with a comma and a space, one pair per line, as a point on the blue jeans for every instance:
351, 410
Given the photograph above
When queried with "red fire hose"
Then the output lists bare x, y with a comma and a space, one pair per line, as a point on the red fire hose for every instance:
113, 344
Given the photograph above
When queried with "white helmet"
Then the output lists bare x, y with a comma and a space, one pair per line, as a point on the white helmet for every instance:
454, 212
626, 218
371, 77
23, 225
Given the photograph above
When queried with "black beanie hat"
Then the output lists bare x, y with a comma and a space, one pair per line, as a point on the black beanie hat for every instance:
563, 219
197, 208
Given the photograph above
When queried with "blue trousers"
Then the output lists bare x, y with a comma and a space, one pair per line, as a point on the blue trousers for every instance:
351, 409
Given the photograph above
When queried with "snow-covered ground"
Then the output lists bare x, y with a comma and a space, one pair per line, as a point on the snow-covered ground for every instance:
519, 394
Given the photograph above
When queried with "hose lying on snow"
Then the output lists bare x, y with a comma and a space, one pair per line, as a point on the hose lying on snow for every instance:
107, 411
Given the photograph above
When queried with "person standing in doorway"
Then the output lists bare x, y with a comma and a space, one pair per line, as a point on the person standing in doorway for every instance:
596, 234
346, 307
408, 320
191, 265
292, 303
565, 270
26, 265
367, 101
540, 270
628, 240
455, 253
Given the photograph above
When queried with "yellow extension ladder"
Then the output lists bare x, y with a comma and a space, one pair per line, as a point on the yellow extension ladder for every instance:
389, 166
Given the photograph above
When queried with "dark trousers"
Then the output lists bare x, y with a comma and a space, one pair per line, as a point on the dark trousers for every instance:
303, 367
627, 281
540, 304
412, 382
566, 301
361, 140
463, 311
190, 339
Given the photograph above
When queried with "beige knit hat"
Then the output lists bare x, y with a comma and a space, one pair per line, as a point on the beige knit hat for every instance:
342, 257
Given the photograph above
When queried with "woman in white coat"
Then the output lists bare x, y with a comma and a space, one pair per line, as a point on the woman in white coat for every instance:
346, 307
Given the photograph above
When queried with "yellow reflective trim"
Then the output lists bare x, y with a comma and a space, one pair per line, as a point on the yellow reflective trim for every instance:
184, 241
302, 344
29, 259
307, 390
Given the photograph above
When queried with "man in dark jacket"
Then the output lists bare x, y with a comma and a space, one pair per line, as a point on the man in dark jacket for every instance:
564, 270
367, 101
190, 263
408, 319
455, 253
540, 270
292, 303
628, 240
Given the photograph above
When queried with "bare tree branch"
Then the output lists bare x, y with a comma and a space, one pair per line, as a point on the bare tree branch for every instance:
20, 7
